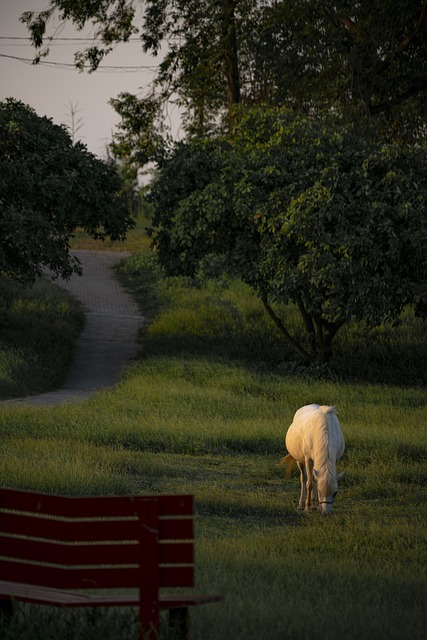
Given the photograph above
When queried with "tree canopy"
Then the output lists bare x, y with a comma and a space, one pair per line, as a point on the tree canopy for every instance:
48, 187
370, 57
304, 210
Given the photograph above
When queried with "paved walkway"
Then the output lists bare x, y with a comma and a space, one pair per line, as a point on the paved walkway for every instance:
108, 340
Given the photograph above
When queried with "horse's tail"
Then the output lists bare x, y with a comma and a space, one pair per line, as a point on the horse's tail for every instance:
288, 460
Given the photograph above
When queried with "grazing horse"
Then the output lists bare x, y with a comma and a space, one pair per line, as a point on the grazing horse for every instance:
315, 441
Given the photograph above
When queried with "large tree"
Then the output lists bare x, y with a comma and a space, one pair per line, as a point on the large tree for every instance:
304, 210
48, 187
370, 56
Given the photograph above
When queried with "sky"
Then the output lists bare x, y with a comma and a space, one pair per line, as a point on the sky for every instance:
53, 87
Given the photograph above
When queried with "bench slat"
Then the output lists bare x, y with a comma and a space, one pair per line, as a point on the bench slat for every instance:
84, 530
176, 529
44, 595
100, 506
71, 554
25, 549
68, 531
93, 577
176, 552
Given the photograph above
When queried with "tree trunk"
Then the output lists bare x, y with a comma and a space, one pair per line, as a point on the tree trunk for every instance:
230, 54
321, 334
325, 333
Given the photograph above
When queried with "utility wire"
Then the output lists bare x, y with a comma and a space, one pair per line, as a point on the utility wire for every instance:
54, 40
70, 66
58, 39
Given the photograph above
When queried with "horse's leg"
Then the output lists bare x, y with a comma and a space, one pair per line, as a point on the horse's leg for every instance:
309, 503
303, 478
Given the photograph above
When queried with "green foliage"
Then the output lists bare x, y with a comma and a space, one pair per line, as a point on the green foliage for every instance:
141, 274
48, 187
304, 210
38, 328
221, 319
139, 139
369, 57
189, 170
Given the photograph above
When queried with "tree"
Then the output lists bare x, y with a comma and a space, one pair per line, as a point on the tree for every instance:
48, 187
304, 210
141, 137
370, 57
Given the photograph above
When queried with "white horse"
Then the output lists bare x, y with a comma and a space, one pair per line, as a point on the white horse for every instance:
315, 441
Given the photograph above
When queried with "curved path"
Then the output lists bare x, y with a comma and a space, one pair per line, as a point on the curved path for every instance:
108, 340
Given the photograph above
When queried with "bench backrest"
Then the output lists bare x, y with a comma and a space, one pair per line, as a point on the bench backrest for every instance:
144, 542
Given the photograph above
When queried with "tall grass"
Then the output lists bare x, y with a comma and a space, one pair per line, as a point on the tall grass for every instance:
195, 416
38, 327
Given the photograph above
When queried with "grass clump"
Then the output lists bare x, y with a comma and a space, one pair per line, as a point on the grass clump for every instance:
43, 623
38, 330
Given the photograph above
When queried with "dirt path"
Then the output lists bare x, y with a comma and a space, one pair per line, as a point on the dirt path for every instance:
108, 341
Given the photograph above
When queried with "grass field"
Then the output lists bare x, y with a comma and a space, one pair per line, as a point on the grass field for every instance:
205, 411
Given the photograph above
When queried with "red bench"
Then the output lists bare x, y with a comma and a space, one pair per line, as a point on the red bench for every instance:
79, 552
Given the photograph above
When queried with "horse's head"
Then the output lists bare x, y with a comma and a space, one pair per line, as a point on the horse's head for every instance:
327, 490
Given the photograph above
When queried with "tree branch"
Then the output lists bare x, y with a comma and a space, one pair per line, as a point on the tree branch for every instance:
278, 322
406, 42
394, 102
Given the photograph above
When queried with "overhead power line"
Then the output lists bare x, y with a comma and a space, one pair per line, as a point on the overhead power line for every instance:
69, 66
59, 40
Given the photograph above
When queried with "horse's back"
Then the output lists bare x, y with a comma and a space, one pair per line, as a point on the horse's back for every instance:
299, 437
305, 412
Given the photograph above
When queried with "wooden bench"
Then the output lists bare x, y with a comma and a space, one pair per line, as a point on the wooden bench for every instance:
79, 552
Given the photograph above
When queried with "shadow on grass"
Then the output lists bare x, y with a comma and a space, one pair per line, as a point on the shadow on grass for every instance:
400, 365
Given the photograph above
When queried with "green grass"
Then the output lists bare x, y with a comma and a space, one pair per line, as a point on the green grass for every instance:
216, 430
205, 410
136, 239
38, 328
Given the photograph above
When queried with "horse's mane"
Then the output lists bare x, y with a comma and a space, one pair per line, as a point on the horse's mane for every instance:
323, 454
